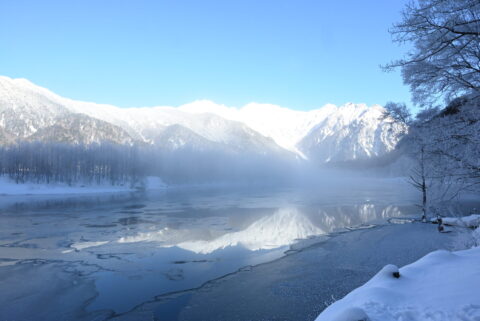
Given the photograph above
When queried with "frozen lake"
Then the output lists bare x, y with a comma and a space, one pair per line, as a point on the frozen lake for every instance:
103, 256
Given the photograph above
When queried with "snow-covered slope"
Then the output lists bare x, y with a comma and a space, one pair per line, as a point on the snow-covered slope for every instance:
287, 127
351, 132
29, 112
440, 286
329, 133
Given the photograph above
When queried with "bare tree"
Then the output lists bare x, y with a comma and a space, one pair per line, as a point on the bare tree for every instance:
418, 179
444, 61
421, 172
71, 163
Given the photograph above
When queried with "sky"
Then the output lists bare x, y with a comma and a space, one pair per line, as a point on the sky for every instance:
299, 54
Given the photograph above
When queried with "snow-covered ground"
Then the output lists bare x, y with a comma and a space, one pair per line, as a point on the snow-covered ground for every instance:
465, 221
442, 285
9, 187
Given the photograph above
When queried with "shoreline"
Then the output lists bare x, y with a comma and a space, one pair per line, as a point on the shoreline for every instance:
10, 188
221, 298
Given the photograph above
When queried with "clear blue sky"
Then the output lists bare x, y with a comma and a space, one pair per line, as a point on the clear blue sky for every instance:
299, 53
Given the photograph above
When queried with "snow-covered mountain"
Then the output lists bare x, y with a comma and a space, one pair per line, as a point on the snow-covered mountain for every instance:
31, 113
352, 132
330, 133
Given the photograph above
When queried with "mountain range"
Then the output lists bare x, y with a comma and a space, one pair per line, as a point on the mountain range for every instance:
329, 134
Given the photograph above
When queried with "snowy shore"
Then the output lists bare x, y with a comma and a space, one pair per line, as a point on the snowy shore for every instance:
442, 285
9, 187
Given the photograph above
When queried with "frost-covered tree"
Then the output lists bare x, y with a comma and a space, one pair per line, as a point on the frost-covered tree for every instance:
444, 146
398, 112
455, 136
444, 60
418, 143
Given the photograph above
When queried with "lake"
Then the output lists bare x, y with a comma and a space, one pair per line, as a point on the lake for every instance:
100, 256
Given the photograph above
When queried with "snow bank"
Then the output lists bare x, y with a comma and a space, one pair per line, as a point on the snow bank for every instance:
440, 286
9, 187
476, 234
465, 221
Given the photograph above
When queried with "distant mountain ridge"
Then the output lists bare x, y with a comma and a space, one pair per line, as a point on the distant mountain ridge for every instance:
328, 134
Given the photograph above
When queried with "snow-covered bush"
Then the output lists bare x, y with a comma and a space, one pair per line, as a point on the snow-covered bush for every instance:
465, 239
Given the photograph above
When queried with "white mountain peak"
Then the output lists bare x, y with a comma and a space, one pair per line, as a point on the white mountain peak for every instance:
356, 129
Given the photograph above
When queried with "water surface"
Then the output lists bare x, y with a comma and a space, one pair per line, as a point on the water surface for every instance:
126, 249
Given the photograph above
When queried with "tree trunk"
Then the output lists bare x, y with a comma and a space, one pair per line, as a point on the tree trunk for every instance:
424, 188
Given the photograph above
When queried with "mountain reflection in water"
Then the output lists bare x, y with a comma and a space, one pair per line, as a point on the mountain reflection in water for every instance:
282, 227
135, 247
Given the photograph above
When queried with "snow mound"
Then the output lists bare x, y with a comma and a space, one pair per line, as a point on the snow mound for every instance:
356, 314
441, 286
466, 221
